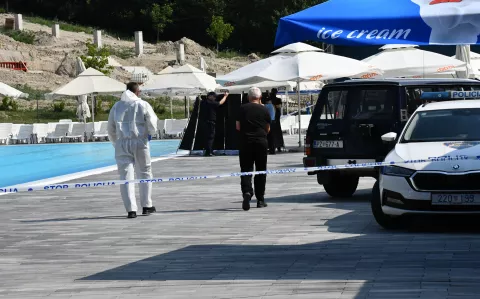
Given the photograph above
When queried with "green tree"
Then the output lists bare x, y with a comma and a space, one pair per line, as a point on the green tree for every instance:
219, 30
97, 58
160, 16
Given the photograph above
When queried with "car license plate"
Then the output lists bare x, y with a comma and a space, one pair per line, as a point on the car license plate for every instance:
328, 144
456, 199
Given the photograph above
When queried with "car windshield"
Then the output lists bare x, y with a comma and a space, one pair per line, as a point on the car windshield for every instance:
444, 125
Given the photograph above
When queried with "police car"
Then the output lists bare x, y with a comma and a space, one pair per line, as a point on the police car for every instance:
440, 148
350, 118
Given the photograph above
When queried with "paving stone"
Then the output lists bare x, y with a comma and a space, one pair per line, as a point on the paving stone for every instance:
201, 244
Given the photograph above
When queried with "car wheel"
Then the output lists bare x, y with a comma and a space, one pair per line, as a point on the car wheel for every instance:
384, 220
341, 186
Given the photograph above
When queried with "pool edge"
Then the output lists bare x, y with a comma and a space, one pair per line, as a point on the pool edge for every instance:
82, 174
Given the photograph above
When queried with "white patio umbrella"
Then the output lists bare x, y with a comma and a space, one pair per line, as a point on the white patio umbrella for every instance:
186, 80
166, 70
407, 61
8, 91
297, 62
90, 82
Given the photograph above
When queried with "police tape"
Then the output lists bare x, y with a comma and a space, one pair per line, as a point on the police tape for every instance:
229, 175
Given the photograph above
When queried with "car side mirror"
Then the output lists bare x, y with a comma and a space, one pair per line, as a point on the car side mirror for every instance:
389, 137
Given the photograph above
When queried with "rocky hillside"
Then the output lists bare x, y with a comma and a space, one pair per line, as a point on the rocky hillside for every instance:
51, 61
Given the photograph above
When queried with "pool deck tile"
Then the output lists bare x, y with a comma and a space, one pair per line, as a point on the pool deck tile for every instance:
200, 244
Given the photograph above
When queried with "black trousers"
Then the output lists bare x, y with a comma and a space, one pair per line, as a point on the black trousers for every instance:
254, 154
209, 136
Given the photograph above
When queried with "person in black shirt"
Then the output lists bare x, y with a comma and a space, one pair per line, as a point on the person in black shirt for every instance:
253, 122
209, 107
276, 125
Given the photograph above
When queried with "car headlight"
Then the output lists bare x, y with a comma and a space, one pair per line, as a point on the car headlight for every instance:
397, 171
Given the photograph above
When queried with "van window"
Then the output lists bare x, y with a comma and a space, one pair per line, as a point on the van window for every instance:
372, 103
335, 105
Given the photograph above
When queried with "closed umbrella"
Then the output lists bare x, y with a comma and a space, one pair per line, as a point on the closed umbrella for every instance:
408, 61
83, 111
297, 62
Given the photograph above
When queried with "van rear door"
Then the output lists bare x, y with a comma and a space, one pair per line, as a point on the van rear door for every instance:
348, 122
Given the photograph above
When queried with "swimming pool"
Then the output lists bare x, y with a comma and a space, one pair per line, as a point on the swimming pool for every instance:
20, 164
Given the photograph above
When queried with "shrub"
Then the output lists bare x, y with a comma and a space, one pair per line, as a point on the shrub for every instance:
8, 104
122, 52
158, 107
98, 105
97, 58
59, 107
25, 36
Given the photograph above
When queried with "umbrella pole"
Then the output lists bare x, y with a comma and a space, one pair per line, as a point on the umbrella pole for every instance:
188, 107
185, 102
299, 116
38, 117
171, 108
93, 108
286, 97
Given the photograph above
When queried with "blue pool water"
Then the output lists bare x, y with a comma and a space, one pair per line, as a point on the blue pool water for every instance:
26, 163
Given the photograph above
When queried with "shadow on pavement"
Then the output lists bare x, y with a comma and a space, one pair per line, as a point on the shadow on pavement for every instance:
400, 263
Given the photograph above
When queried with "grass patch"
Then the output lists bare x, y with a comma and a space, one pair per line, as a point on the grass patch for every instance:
33, 94
229, 54
122, 52
25, 36
104, 103
63, 26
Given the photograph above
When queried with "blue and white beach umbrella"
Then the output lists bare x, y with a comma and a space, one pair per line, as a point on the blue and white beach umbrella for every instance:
380, 22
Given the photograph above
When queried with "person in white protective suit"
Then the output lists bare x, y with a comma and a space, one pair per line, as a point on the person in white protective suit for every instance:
130, 123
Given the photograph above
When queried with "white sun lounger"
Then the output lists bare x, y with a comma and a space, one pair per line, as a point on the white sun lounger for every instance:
61, 131
286, 122
175, 128
5, 133
24, 134
160, 129
77, 134
40, 133
102, 133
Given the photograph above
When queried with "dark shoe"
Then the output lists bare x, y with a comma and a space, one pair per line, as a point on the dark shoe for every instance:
132, 215
148, 211
208, 154
246, 201
261, 204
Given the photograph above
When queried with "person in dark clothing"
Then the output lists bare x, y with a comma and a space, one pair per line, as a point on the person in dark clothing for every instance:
271, 137
253, 122
276, 125
209, 108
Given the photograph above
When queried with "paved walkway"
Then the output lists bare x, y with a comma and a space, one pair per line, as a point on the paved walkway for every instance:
72, 244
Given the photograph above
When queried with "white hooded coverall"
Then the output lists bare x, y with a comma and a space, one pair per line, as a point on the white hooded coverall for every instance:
130, 122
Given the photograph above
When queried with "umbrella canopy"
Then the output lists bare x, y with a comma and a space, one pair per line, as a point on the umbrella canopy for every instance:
166, 70
183, 81
288, 86
407, 61
376, 22
90, 81
8, 91
297, 62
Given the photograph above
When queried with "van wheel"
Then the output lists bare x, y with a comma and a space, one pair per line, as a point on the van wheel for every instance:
386, 221
341, 186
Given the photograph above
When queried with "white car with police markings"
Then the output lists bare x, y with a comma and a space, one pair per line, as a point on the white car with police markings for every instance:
441, 147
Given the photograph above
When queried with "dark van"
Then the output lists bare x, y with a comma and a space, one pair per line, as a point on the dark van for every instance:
350, 117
